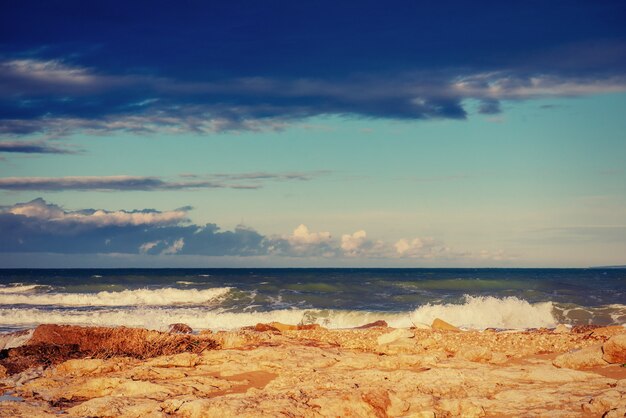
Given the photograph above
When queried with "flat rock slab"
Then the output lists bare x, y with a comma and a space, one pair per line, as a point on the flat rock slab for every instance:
317, 372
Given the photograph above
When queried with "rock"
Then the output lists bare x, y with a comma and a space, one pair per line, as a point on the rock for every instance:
548, 374
619, 412
113, 406
330, 373
609, 331
395, 335
498, 358
157, 373
604, 402
82, 367
465, 408
584, 329
379, 401
419, 325
397, 341
230, 340
105, 386
346, 405
581, 359
302, 327
283, 327
192, 408
422, 414
443, 325
180, 328
615, 349
475, 354
286, 327
562, 329
264, 328
375, 324
427, 343
177, 360
23, 409
26, 376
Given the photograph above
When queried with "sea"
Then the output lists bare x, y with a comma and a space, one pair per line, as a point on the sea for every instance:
224, 299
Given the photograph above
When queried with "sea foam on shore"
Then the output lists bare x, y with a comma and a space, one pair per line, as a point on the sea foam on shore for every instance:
201, 309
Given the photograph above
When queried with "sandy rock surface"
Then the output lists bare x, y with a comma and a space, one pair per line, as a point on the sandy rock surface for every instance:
615, 349
373, 372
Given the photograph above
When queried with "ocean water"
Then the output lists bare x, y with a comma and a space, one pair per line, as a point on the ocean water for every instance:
336, 298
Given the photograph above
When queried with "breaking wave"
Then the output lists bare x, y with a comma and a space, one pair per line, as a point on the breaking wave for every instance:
480, 312
150, 297
156, 309
21, 288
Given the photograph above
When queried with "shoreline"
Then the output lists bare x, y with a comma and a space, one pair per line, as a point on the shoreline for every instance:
273, 369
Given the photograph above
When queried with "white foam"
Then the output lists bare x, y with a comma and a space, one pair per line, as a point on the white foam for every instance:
197, 318
480, 312
20, 288
474, 313
152, 297
15, 339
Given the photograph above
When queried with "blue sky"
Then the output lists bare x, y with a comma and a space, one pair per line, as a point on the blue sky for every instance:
312, 134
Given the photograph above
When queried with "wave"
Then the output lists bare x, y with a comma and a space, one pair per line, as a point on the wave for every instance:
21, 288
480, 312
15, 339
476, 313
473, 313
150, 297
196, 317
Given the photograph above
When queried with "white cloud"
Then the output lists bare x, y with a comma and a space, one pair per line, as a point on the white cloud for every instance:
497, 255
421, 248
504, 86
302, 236
52, 71
406, 247
352, 243
103, 218
39, 209
146, 247
175, 247
358, 244
302, 242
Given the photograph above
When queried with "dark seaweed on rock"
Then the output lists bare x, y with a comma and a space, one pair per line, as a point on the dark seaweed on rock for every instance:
18, 359
53, 344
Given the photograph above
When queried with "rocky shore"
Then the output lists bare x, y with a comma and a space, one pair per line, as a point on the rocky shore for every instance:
275, 369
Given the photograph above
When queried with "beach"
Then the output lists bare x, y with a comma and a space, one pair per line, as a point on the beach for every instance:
277, 369
312, 342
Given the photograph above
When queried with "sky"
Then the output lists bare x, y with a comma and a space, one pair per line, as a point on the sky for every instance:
312, 134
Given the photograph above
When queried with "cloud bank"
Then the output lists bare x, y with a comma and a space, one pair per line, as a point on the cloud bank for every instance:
144, 105
208, 68
41, 227
32, 147
254, 180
